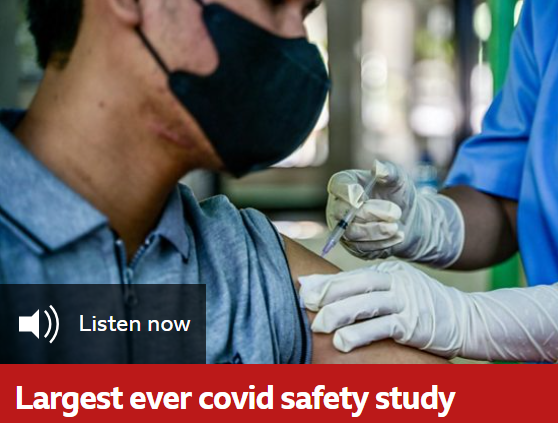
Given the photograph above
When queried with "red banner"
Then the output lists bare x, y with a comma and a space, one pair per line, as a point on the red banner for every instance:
251, 393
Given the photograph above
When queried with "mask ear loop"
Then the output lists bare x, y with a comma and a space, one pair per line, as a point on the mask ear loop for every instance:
152, 50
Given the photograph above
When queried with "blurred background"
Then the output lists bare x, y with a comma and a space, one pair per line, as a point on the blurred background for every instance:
412, 80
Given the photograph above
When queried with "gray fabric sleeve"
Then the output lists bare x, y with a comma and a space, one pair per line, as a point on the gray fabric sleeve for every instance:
292, 329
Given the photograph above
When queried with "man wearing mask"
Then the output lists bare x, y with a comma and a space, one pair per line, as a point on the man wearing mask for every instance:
136, 94
501, 194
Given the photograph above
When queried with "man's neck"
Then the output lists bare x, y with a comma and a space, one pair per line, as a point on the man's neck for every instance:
93, 144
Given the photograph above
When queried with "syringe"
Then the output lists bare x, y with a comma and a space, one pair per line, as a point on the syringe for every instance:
344, 223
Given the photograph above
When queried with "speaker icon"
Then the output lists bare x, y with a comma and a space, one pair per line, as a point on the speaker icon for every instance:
31, 324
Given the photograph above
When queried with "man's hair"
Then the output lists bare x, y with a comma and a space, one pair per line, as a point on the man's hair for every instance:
55, 26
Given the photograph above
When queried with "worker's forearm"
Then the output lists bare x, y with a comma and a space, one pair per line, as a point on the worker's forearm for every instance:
512, 325
489, 228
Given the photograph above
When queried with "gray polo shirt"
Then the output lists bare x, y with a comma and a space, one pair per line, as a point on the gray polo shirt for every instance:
51, 235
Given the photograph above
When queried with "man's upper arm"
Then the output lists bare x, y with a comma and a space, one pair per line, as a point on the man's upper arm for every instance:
303, 263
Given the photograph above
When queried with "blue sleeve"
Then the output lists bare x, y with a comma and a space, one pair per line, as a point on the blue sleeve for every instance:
288, 318
493, 162
254, 314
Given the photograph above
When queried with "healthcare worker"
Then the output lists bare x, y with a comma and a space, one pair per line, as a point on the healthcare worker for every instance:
502, 193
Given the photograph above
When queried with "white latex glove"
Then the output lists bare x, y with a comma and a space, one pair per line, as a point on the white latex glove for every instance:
395, 300
397, 220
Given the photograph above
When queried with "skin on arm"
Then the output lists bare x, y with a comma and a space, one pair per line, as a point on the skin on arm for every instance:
304, 263
490, 228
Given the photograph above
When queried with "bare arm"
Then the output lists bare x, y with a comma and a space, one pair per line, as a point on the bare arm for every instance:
490, 228
304, 263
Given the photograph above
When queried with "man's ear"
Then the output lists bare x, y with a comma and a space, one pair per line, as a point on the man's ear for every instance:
127, 11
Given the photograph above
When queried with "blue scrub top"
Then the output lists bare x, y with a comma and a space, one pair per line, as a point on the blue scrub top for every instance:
516, 156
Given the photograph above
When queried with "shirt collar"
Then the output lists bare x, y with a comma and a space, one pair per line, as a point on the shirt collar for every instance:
172, 225
36, 204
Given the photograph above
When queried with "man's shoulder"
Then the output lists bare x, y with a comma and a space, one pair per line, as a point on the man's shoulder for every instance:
216, 208
218, 216
242, 261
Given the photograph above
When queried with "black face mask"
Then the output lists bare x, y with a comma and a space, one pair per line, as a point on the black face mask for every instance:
264, 99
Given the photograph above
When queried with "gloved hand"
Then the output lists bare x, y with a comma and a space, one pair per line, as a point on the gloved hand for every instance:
397, 220
395, 300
